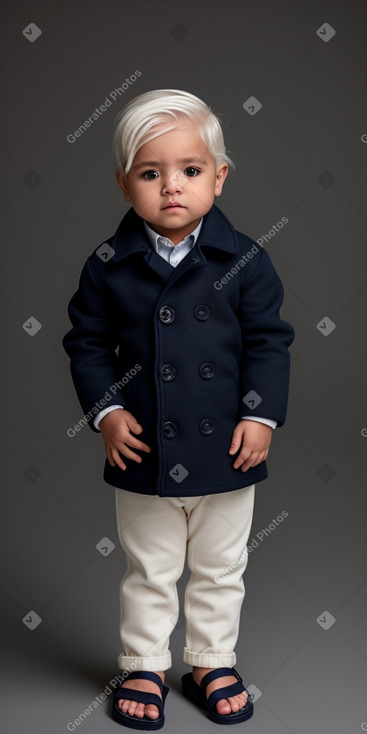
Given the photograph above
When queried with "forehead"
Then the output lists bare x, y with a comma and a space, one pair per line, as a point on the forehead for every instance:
182, 142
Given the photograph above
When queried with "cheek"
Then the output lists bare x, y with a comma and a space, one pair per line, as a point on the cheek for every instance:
207, 189
138, 191
209, 184
145, 189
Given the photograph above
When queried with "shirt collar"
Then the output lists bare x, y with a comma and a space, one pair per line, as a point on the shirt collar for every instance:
217, 231
156, 240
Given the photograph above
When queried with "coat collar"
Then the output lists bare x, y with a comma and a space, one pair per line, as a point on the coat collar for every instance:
216, 231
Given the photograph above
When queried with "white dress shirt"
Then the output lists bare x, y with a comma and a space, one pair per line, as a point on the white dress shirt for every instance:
173, 254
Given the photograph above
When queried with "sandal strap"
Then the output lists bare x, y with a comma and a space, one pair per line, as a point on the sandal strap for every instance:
140, 697
231, 690
219, 673
146, 675
225, 692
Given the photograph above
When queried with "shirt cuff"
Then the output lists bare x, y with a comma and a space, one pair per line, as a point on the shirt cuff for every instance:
104, 412
267, 421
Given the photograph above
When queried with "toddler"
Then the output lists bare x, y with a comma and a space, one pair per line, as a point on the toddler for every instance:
180, 358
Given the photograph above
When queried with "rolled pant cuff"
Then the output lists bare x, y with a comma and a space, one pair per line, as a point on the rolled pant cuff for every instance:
209, 660
134, 662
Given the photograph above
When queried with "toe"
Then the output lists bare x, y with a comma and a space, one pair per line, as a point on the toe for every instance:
223, 706
152, 711
132, 707
234, 703
242, 699
139, 710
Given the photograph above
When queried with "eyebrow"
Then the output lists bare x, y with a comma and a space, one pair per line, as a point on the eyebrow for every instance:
193, 159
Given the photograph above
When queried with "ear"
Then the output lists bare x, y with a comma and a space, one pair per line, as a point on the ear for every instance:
221, 175
120, 178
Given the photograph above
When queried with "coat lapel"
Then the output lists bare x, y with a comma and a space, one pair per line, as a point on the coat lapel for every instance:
130, 238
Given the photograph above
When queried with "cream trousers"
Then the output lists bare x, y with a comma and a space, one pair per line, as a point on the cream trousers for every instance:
154, 533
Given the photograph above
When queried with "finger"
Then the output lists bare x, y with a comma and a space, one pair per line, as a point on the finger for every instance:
130, 440
243, 456
134, 426
109, 456
247, 464
254, 459
263, 456
236, 440
124, 449
117, 458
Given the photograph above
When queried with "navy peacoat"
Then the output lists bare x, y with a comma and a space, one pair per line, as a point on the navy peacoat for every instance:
187, 350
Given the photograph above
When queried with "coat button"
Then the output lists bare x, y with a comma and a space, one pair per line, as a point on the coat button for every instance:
206, 426
169, 429
167, 314
201, 312
207, 370
168, 372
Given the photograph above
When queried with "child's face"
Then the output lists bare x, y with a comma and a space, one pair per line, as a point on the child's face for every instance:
171, 174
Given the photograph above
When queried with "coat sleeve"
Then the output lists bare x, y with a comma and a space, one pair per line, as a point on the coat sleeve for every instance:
91, 345
265, 363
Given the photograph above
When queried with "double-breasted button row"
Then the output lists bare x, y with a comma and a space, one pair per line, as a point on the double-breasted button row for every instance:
206, 427
167, 314
206, 371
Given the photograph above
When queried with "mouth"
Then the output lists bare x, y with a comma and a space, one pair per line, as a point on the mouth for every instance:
174, 205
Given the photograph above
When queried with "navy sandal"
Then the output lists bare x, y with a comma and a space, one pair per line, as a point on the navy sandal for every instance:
196, 694
141, 697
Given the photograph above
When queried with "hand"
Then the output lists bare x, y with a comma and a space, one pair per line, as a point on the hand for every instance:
255, 439
117, 427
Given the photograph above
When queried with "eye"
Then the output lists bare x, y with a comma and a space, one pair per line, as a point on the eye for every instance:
146, 174
192, 168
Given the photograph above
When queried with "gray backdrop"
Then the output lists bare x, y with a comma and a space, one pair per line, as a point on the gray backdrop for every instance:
300, 153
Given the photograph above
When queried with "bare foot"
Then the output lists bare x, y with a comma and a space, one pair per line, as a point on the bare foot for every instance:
224, 705
133, 708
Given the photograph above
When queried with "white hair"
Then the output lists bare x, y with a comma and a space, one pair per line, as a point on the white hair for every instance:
152, 109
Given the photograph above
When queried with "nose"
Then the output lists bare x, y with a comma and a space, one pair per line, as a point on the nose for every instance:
174, 181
